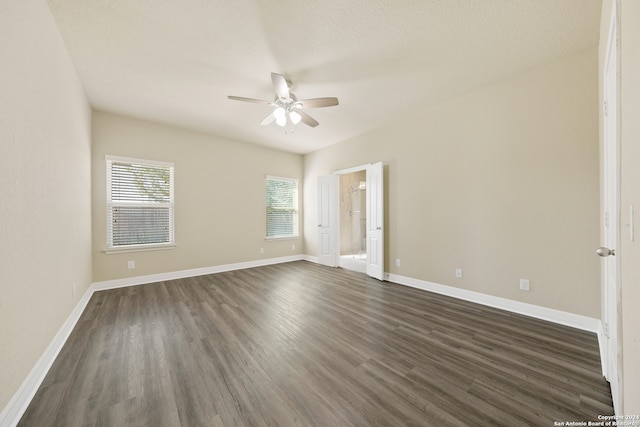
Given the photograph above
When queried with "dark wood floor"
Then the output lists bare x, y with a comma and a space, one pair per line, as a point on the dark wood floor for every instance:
302, 344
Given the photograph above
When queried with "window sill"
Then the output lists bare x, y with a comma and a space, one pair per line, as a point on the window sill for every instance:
139, 248
282, 238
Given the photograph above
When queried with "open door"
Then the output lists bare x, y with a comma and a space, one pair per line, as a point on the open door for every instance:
328, 220
611, 214
375, 221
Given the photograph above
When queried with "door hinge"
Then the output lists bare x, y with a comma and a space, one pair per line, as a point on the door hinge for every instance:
606, 219
605, 108
605, 329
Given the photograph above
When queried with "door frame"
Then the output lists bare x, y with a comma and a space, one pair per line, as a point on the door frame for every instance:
334, 259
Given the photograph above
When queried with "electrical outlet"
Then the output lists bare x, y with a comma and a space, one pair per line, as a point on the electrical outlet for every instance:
397, 262
73, 290
131, 265
261, 250
293, 247
459, 273
524, 284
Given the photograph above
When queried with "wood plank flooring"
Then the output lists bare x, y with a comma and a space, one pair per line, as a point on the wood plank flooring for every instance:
299, 344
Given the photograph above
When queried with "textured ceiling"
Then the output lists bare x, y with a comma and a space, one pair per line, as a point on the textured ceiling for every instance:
176, 61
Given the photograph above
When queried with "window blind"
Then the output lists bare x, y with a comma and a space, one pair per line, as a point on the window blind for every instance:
282, 207
140, 208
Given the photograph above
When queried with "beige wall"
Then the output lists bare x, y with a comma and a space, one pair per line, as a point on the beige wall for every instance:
219, 196
45, 201
501, 182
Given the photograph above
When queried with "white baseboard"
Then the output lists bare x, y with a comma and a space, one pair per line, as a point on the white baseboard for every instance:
556, 316
577, 321
11, 414
181, 274
310, 258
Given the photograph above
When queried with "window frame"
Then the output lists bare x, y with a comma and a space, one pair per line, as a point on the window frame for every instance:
110, 248
295, 209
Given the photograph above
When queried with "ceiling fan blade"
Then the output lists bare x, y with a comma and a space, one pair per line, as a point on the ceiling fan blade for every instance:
255, 101
307, 119
268, 120
317, 102
280, 85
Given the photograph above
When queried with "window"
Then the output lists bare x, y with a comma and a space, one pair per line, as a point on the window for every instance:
282, 207
139, 204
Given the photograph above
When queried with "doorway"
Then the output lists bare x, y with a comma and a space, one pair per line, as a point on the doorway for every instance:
329, 219
353, 221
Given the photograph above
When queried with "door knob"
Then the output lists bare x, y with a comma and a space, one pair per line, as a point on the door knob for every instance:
604, 252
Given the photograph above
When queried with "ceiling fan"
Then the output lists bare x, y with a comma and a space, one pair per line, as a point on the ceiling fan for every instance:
288, 108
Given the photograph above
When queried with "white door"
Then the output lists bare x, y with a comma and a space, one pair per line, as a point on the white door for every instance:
611, 212
327, 219
375, 221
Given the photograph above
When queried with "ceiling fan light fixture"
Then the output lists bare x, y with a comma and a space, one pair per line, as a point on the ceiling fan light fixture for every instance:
295, 117
279, 114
